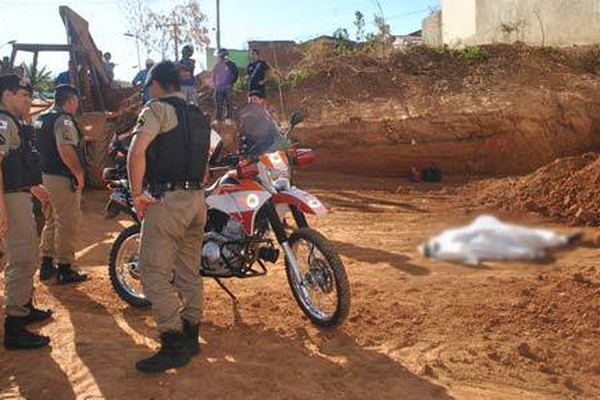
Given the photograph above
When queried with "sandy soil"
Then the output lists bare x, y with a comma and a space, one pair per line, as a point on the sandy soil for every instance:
417, 329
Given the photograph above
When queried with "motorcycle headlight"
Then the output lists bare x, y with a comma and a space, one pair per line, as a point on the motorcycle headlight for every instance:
279, 173
282, 184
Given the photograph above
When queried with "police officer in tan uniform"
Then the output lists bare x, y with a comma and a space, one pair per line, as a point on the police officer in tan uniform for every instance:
59, 141
20, 177
166, 163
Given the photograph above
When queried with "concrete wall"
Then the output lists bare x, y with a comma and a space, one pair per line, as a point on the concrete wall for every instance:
432, 29
535, 22
458, 21
538, 22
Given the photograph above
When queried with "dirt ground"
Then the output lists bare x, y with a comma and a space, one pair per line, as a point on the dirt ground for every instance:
417, 329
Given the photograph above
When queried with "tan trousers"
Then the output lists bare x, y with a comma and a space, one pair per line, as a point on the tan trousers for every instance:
63, 214
22, 249
171, 241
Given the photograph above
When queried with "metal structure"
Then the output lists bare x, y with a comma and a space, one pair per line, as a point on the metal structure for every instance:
86, 68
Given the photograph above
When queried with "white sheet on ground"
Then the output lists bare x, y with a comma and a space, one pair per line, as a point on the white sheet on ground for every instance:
488, 238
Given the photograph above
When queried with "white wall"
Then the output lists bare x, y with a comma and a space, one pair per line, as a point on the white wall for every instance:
458, 21
432, 29
539, 22
535, 22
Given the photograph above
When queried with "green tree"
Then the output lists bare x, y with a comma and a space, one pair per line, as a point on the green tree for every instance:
359, 23
41, 78
381, 40
343, 46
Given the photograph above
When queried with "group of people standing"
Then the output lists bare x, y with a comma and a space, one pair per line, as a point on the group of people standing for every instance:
224, 75
47, 163
166, 166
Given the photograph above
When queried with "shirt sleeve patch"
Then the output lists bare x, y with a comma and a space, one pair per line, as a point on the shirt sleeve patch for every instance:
3, 125
69, 135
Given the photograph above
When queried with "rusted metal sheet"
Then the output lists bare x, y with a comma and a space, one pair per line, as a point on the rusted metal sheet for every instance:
78, 34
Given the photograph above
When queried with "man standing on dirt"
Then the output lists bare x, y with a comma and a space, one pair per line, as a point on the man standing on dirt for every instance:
140, 79
20, 177
257, 74
224, 75
166, 165
60, 143
186, 71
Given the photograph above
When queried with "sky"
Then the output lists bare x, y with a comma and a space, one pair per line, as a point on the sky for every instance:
38, 21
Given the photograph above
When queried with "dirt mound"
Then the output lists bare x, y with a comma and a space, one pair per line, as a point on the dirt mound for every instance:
534, 329
490, 110
565, 190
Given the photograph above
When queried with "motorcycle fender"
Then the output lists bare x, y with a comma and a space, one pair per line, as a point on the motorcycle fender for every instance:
306, 202
241, 205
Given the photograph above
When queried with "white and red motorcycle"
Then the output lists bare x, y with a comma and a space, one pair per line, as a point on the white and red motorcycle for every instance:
246, 228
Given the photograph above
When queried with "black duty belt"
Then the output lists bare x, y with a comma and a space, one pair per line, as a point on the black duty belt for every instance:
171, 186
18, 190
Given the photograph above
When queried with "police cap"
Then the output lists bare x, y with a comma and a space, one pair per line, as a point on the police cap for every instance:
165, 73
13, 83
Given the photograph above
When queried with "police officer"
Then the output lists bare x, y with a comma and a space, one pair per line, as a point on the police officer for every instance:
166, 163
59, 141
20, 177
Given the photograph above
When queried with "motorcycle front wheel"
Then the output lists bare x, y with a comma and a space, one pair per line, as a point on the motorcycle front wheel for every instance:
123, 267
320, 286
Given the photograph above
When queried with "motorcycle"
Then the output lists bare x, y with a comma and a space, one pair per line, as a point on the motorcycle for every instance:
246, 228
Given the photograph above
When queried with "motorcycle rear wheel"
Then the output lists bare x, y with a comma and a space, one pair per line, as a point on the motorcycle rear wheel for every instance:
323, 293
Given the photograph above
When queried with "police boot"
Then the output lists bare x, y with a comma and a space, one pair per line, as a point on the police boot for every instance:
67, 275
173, 353
47, 269
17, 337
190, 331
35, 314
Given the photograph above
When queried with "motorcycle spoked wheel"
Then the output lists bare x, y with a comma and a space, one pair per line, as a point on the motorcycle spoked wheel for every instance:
323, 293
123, 254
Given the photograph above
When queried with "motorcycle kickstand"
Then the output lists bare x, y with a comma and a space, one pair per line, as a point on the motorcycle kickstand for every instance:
225, 288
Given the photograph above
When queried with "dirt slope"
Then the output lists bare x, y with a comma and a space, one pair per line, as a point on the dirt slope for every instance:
510, 111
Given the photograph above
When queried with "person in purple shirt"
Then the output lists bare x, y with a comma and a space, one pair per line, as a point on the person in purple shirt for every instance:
224, 75
186, 72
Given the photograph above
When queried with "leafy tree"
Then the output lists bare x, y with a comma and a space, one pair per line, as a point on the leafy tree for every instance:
343, 46
359, 23
137, 14
184, 24
41, 78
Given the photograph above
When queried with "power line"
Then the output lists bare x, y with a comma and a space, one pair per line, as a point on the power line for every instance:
394, 17
408, 14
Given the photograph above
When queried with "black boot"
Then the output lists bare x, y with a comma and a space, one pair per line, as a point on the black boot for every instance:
47, 269
173, 353
190, 331
36, 315
68, 275
16, 337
